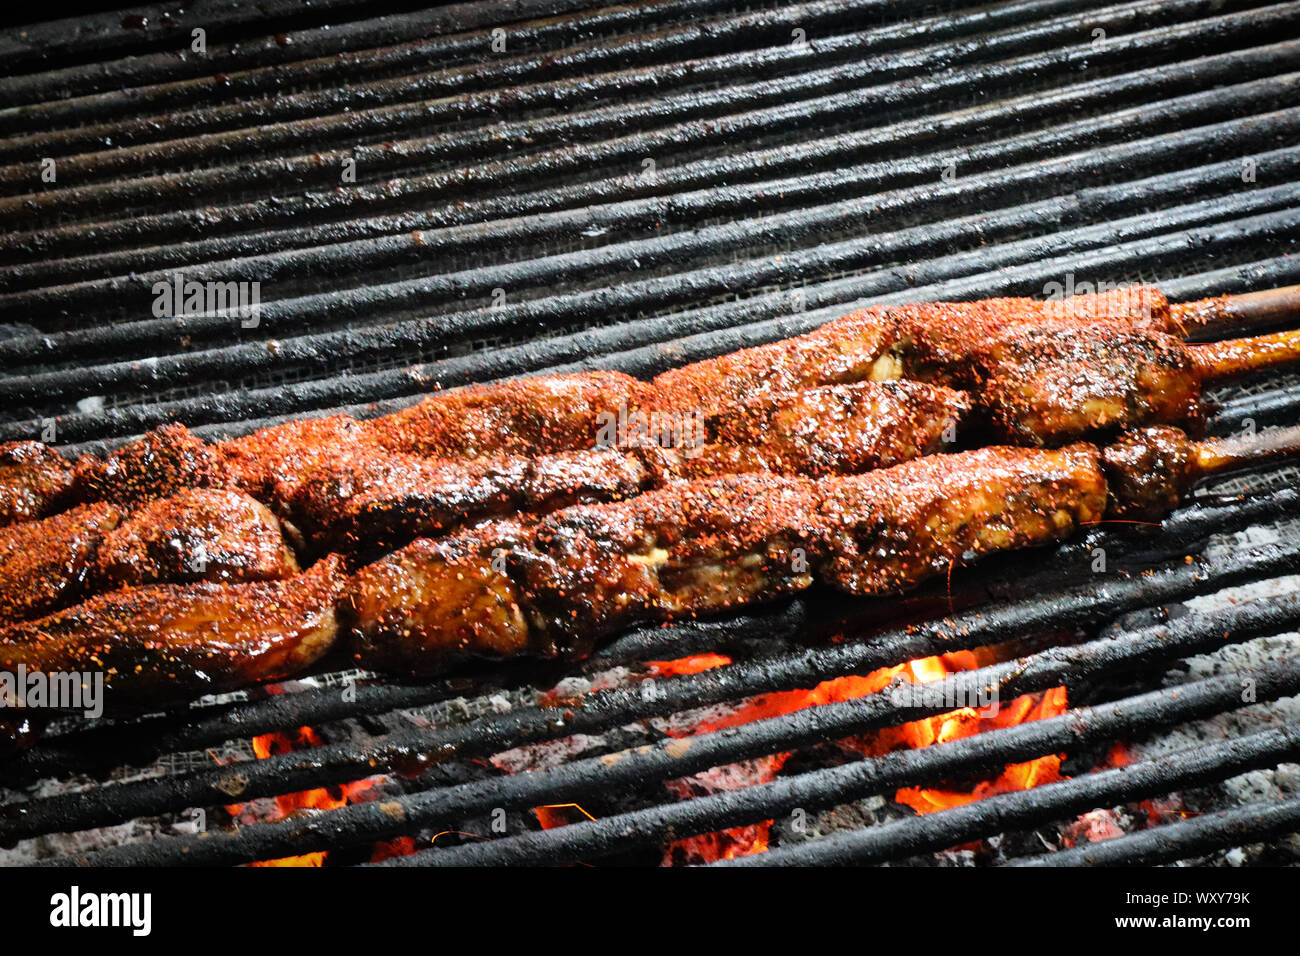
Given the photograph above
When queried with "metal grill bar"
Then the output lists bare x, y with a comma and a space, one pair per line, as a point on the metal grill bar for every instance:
672, 759
602, 711
730, 326
1165, 43
1184, 839
321, 351
40, 92
1188, 768
700, 176
352, 114
826, 788
130, 292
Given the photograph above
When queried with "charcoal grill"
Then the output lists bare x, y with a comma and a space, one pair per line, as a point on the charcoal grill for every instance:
548, 185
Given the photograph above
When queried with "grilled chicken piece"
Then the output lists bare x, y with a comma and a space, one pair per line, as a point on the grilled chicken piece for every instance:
852, 349
692, 548
282, 455
35, 481
47, 564
699, 547
504, 589
530, 416
1043, 372
434, 604
161, 463
371, 504
169, 641
199, 534
843, 429
1047, 387
893, 528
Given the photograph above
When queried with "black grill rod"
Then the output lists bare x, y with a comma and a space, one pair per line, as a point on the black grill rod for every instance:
432, 98
547, 165
671, 759
828, 788
94, 38
1225, 106
320, 350
1196, 766
1253, 823
604, 710
669, 122
100, 748
323, 44
373, 393
1279, 407
284, 316
701, 176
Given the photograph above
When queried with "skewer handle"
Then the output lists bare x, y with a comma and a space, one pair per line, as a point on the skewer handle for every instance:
1218, 361
1234, 314
1220, 455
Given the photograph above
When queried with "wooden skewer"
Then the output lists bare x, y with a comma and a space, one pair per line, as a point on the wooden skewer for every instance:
1217, 456
1205, 318
1218, 361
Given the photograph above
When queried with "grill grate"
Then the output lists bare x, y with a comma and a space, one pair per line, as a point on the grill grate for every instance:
1140, 141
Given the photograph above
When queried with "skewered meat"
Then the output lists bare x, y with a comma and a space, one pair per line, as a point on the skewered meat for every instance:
582, 572
436, 603
708, 545
159, 464
197, 534
842, 429
168, 641
35, 480
371, 505
893, 528
1050, 386
1043, 372
283, 454
988, 344
46, 564
530, 416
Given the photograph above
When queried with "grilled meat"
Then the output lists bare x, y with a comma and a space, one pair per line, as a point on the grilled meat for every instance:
47, 564
852, 349
557, 586
505, 589
369, 504
35, 481
530, 416
161, 463
198, 534
173, 641
893, 528
282, 455
374, 505
842, 429
1041, 372
436, 603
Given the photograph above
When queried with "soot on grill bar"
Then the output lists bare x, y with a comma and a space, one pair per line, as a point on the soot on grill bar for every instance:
687, 433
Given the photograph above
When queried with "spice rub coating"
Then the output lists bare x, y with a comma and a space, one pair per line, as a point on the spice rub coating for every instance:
48, 564
169, 641
35, 481
198, 534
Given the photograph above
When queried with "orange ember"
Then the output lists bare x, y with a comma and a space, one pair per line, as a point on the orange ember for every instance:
322, 798
963, 722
